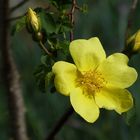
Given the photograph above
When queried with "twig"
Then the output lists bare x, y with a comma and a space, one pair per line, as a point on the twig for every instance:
11, 78
127, 51
74, 6
60, 124
130, 18
44, 48
14, 18
18, 5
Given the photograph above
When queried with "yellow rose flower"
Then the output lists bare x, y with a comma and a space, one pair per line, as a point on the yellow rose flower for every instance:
95, 81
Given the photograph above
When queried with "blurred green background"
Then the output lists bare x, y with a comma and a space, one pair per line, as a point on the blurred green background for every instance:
106, 19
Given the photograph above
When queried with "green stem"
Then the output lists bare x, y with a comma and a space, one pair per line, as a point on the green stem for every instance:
44, 48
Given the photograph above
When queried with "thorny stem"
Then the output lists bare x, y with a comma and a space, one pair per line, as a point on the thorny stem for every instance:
44, 48
74, 6
11, 79
18, 5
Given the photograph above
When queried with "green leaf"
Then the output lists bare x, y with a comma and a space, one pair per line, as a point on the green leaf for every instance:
63, 25
47, 61
62, 50
50, 24
43, 59
40, 73
47, 21
44, 79
59, 4
66, 27
84, 8
130, 116
49, 82
42, 70
19, 25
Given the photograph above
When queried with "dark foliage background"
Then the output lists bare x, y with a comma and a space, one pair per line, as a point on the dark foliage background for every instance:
106, 19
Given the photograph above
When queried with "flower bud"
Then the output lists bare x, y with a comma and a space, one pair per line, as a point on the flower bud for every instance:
134, 42
33, 22
38, 36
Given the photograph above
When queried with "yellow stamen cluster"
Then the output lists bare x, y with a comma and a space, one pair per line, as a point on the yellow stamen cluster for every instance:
91, 82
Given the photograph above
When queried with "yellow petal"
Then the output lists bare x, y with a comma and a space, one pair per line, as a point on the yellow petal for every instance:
84, 106
116, 99
65, 75
116, 71
87, 54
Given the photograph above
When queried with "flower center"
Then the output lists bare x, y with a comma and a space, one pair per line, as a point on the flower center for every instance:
91, 82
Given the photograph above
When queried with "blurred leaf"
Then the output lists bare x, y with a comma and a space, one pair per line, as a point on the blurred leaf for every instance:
34, 128
19, 25
130, 116
60, 4
84, 8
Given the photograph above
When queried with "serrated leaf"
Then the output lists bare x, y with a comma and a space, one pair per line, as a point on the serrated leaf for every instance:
43, 59
50, 24
47, 21
47, 61
42, 70
19, 25
40, 73
65, 28
62, 50
63, 25
49, 81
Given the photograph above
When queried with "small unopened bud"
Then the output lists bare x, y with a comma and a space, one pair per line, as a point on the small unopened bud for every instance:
33, 22
38, 36
134, 42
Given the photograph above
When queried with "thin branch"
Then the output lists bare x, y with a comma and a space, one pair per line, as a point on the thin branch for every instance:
127, 51
60, 124
72, 11
20, 16
11, 78
18, 5
44, 48
14, 18
130, 18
